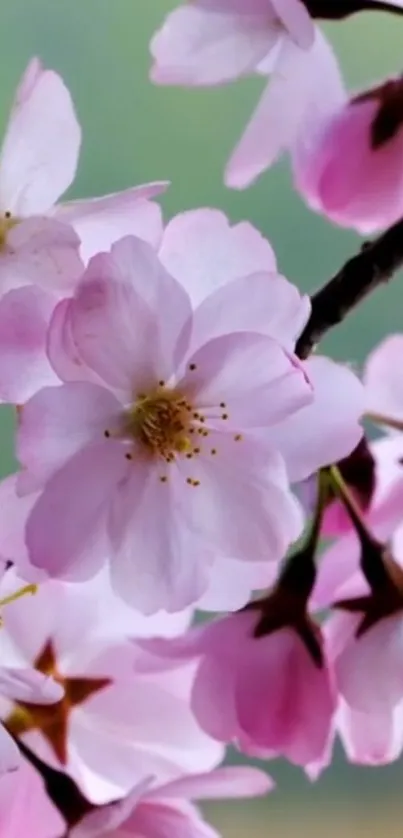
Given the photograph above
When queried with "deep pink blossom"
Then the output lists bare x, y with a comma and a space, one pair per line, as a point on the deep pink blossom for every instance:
155, 811
266, 694
348, 165
116, 724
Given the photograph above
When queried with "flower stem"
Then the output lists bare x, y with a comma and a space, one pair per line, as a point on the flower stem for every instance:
372, 551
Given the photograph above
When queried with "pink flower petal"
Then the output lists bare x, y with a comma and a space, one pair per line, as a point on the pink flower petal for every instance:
285, 701
117, 322
162, 820
275, 308
41, 146
60, 421
326, 430
297, 20
29, 685
44, 252
106, 819
62, 348
175, 573
243, 505
222, 783
24, 318
370, 738
25, 808
257, 380
377, 650
65, 530
303, 82
383, 379
10, 758
204, 252
202, 46
245, 578
12, 526
100, 222
213, 699
142, 729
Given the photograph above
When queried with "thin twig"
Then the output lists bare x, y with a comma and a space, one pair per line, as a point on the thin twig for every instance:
377, 262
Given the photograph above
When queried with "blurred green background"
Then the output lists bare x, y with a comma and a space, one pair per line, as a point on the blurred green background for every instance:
134, 132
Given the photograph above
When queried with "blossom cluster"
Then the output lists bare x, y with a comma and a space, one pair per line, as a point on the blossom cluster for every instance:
178, 453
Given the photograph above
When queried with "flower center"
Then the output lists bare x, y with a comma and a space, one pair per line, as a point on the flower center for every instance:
53, 719
7, 222
161, 422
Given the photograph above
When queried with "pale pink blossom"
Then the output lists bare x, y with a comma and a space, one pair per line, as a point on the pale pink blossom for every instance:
39, 159
25, 808
205, 253
213, 42
348, 166
213, 443
161, 427
217, 41
155, 811
40, 240
117, 724
266, 694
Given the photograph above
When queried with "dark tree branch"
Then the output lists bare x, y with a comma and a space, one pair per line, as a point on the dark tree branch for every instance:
339, 9
377, 262
61, 789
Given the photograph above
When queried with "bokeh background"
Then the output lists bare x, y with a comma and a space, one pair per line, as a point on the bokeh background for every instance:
134, 132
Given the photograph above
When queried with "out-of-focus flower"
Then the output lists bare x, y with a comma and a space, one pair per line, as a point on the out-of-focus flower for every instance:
347, 163
156, 811
115, 725
207, 43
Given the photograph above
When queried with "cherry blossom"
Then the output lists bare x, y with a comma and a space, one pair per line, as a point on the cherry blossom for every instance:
215, 42
156, 811
363, 188
39, 158
169, 427
267, 689
174, 408
116, 724
40, 240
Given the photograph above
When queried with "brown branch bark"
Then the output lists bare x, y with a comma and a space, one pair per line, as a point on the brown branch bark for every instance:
376, 264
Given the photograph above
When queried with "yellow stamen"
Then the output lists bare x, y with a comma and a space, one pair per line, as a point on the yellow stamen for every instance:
27, 589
